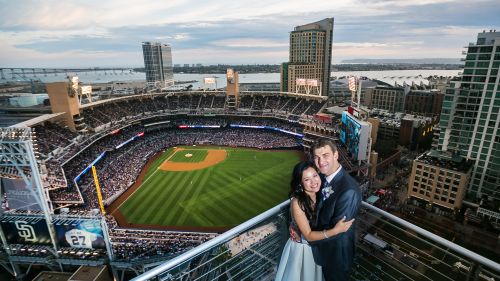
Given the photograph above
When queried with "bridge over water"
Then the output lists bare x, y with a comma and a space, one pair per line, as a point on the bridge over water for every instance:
27, 74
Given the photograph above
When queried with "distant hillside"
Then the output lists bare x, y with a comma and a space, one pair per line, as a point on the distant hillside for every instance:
406, 61
346, 65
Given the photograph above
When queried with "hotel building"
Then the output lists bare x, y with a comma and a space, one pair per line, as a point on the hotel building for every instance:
310, 59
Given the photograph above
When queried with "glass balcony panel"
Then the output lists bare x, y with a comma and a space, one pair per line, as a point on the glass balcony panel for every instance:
388, 248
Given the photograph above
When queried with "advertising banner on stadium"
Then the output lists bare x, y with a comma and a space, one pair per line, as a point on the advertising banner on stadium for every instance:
80, 234
26, 230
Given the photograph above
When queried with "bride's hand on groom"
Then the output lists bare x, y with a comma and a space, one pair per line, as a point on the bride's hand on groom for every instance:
342, 225
294, 234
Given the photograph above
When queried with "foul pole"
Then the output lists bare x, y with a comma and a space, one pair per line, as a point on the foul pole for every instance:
98, 189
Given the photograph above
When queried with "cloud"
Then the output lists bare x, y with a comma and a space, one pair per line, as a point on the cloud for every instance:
219, 31
358, 45
452, 31
174, 37
67, 15
341, 45
249, 43
199, 25
206, 55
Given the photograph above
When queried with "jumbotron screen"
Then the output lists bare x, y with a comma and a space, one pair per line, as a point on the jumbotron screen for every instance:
354, 135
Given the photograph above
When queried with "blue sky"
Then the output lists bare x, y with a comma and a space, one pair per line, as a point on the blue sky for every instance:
55, 33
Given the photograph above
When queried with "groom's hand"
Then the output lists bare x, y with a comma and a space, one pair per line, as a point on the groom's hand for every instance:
294, 235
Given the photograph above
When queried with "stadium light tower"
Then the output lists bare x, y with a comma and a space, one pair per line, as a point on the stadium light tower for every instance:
18, 162
20, 174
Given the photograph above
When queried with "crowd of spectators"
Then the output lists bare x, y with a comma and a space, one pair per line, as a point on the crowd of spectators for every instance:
262, 139
55, 175
120, 167
246, 102
225, 121
65, 196
117, 110
270, 122
259, 103
314, 108
132, 245
72, 168
50, 136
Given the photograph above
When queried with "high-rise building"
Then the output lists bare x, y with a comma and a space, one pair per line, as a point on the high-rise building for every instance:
470, 116
424, 102
158, 64
310, 59
439, 181
387, 98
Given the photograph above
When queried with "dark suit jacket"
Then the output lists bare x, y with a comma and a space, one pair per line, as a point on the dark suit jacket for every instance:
337, 251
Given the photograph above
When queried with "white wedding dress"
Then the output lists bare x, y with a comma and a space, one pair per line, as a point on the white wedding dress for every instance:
297, 262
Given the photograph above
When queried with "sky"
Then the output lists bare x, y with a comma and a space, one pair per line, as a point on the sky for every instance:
105, 33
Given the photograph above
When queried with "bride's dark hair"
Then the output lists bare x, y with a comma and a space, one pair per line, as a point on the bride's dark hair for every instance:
297, 190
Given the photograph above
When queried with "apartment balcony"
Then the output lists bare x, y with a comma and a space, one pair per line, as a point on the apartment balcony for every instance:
403, 251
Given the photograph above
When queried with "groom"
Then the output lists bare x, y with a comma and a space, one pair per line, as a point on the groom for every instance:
341, 197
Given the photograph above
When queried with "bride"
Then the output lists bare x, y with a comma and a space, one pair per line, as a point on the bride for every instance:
297, 262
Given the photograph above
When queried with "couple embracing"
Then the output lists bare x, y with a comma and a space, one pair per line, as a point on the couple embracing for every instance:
323, 208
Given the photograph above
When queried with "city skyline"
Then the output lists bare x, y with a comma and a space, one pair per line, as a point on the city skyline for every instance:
91, 33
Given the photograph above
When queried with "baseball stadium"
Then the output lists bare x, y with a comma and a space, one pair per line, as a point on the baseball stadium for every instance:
183, 185
131, 181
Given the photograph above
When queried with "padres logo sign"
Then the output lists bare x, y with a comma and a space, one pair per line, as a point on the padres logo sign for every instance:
25, 231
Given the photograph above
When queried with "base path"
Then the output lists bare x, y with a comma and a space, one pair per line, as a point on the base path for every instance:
214, 157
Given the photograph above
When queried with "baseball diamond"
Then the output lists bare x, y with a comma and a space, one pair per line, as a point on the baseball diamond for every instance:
205, 188
187, 160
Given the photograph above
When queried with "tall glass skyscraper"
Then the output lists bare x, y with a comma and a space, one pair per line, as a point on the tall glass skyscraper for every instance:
158, 64
310, 59
469, 124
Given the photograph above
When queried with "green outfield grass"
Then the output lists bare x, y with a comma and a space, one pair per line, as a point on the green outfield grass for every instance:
244, 185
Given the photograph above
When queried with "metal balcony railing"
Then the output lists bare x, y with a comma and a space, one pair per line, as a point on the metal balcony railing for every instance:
389, 248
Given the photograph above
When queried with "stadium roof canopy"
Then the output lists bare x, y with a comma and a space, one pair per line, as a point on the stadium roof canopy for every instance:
33, 121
